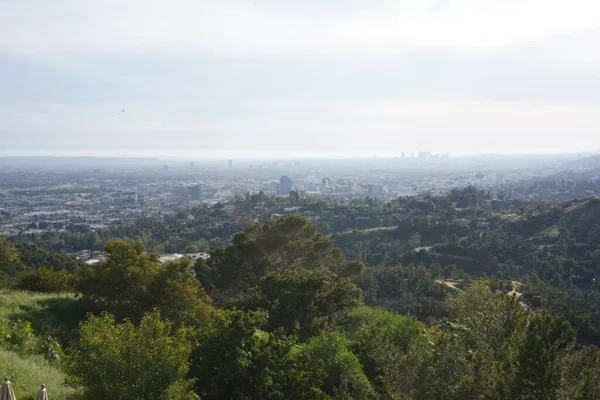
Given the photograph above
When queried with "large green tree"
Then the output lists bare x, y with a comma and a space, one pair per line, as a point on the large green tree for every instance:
288, 243
131, 283
581, 372
539, 373
490, 326
302, 302
472, 355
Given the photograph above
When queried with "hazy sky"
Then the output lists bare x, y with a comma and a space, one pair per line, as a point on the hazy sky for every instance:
462, 76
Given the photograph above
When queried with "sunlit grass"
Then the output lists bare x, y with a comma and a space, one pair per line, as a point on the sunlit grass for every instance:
27, 373
55, 313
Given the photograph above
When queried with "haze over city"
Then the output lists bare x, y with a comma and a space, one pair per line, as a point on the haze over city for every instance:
328, 200
255, 78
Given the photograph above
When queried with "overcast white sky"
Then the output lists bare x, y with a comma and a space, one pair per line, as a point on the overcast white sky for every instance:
459, 76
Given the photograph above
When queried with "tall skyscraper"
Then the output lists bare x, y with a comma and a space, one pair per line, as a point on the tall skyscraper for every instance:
375, 189
230, 163
195, 192
285, 186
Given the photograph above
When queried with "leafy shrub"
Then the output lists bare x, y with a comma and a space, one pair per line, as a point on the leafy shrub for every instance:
122, 362
377, 334
130, 283
345, 376
192, 248
234, 359
50, 348
17, 333
45, 279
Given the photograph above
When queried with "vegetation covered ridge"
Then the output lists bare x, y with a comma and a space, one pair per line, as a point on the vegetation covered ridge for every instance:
282, 312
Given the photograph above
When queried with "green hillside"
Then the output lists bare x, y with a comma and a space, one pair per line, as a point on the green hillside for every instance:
577, 216
580, 216
54, 313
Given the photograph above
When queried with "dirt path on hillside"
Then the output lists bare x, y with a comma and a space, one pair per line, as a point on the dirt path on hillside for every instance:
515, 290
450, 284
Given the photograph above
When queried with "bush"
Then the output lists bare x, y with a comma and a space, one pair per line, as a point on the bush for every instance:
345, 376
19, 336
46, 280
122, 362
192, 248
377, 334
130, 283
17, 333
50, 348
234, 359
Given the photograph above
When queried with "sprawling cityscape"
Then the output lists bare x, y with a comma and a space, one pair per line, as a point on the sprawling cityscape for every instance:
39, 195
48, 194
299, 200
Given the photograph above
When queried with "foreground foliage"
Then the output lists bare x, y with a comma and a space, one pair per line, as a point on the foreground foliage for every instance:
131, 283
234, 359
290, 321
121, 361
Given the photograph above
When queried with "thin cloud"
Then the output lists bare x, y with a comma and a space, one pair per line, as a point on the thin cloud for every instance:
244, 28
369, 126
458, 76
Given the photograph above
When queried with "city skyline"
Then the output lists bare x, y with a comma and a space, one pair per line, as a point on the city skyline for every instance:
245, 155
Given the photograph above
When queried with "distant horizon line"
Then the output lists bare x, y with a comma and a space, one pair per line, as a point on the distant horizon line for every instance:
190, 154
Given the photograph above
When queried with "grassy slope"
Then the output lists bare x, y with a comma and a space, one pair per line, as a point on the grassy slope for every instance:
578, 218
53, 313
27, 373
15, 301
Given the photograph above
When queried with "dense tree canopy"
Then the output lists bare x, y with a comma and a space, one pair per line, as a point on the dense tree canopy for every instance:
464, 297
302, 302
288, 243
130, 283
234, 359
